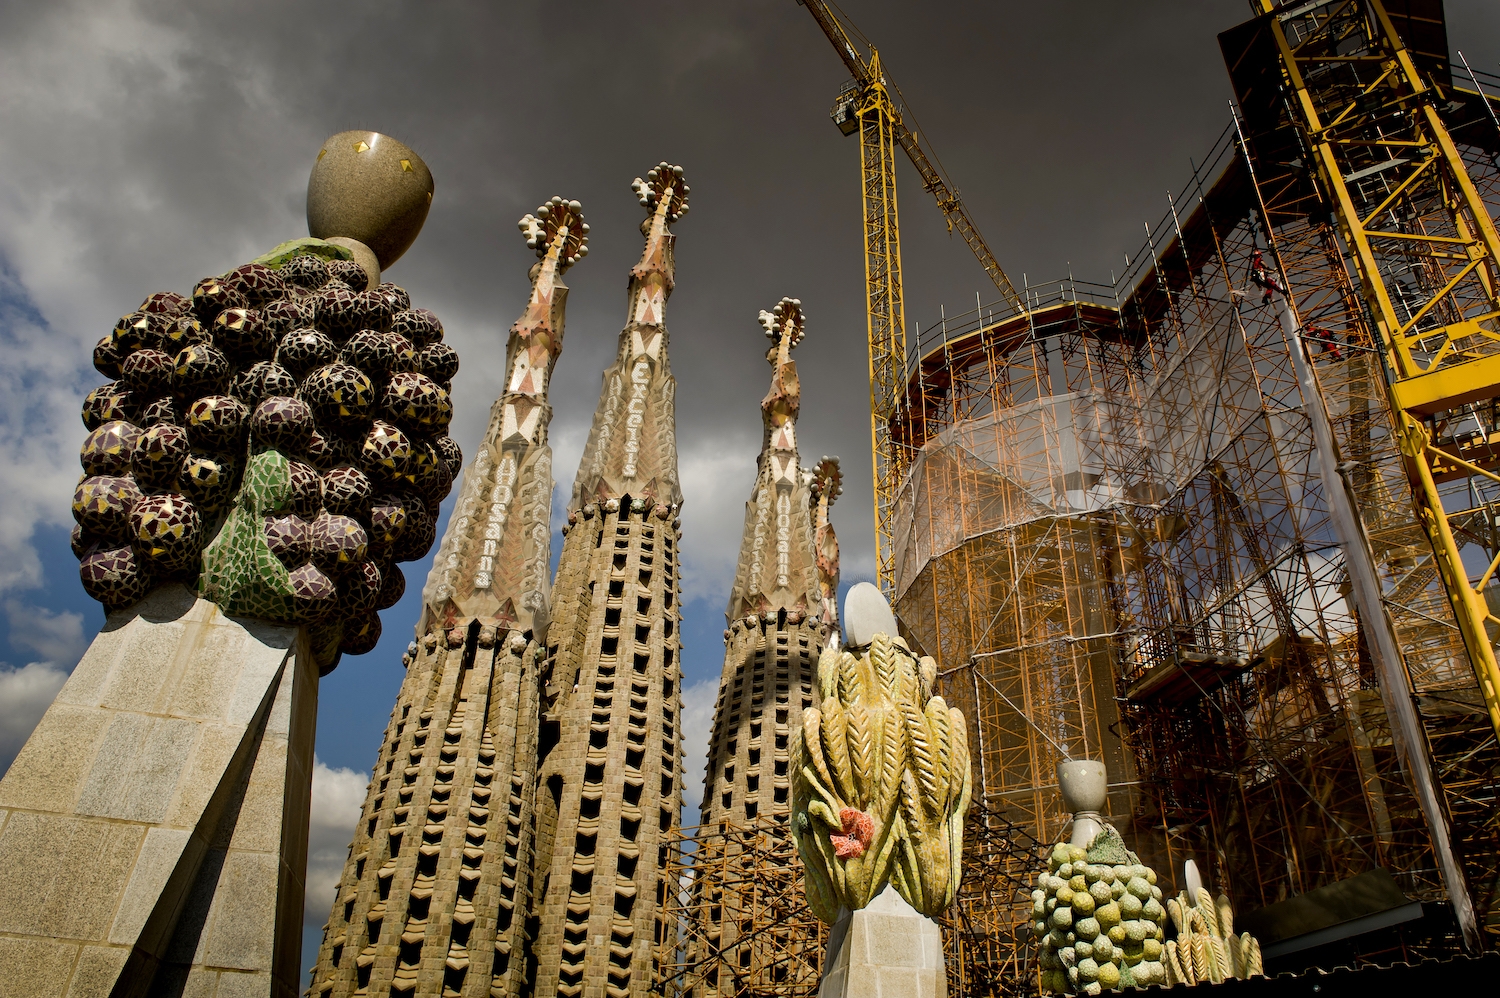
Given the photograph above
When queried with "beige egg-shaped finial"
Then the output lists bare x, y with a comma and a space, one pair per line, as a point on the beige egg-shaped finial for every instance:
370, 188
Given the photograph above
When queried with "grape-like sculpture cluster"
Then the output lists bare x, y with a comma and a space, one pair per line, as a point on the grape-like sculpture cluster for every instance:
1100, 924
278, 440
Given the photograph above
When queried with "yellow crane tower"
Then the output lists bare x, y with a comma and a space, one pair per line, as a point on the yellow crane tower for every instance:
872, 106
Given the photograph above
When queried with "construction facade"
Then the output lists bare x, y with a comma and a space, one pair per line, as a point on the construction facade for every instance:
1228, 523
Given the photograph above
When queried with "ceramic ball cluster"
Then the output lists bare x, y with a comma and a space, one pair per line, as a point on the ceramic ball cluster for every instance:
349, 386
1100, 926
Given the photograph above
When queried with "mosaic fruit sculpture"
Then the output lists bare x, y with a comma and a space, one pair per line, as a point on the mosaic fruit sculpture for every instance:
1206, 948
278, 440
880, 783
1098, 915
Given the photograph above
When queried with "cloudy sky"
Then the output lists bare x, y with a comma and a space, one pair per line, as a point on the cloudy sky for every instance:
146, 145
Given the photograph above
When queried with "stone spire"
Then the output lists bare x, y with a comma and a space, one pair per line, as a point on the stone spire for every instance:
438, 886
610, 783
782, 608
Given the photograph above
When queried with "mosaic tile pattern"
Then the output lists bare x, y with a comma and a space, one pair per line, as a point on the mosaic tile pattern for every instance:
107, 450
347, 491
158, 457
146, 373
439, 362
307, 271
217, 422
452, 455
114, 576
107, 402
282, 422
213, 295
341, 395
243, 336
292, 529
102, 506
167, 534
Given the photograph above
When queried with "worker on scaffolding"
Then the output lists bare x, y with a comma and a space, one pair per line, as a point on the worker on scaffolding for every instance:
1270, 284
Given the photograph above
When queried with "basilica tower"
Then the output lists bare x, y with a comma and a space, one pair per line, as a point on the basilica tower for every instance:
435, 895
782, 608
609, 791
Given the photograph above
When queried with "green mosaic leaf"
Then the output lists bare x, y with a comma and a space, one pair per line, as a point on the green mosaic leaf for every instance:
239, 571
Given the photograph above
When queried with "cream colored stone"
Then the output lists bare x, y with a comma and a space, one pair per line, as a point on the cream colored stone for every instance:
143, 673
34, 968
212, 752
884, 950
242, 924
96, 971
51, 767
159, 857
62, 875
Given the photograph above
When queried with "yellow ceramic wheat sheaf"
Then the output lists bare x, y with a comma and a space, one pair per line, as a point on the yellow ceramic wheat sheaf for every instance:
880, 783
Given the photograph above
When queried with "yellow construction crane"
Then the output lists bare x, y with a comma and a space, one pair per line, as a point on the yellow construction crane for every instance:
872, 106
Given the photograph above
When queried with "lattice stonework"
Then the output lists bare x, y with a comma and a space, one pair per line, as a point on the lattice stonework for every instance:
438, 886
609, 792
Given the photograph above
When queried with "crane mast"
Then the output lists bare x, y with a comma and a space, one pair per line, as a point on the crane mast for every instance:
871, 106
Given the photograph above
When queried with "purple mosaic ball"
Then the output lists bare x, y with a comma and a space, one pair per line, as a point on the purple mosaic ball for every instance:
209, 481
114, 576
418, 325
106, 403
359, 589
182, 331
139, 331
166, 303
374, 309
243, 336
417, 404
282, 422
338, 543
257, 282
107, 450
347, 492
385, 454
307, 271
147, 374
341, 396
361, 634
262, 380
167, 533
429, 473
380, 355
313, 594
158, 457
102, 506
420, 532
396, 295
281, 317
107, 357
217, 422
452, 454
213, 295
326, 451
351, 273
392, 587
199, 369
303, 351
81, 541
387, 520
160, 411
290, 538
305, 496
439, 362
335, 312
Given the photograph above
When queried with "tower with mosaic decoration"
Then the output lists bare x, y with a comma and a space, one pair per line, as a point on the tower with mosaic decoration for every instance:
609, 790
438, 885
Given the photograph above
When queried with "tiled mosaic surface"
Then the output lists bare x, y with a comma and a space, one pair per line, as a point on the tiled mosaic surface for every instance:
277, 439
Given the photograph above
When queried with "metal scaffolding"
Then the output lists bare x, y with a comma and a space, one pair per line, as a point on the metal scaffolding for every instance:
1115, 540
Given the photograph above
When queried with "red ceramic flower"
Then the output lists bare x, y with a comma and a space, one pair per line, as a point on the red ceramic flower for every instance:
859, 828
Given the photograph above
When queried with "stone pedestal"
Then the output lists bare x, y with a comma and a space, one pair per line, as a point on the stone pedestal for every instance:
153, 830
884, 950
